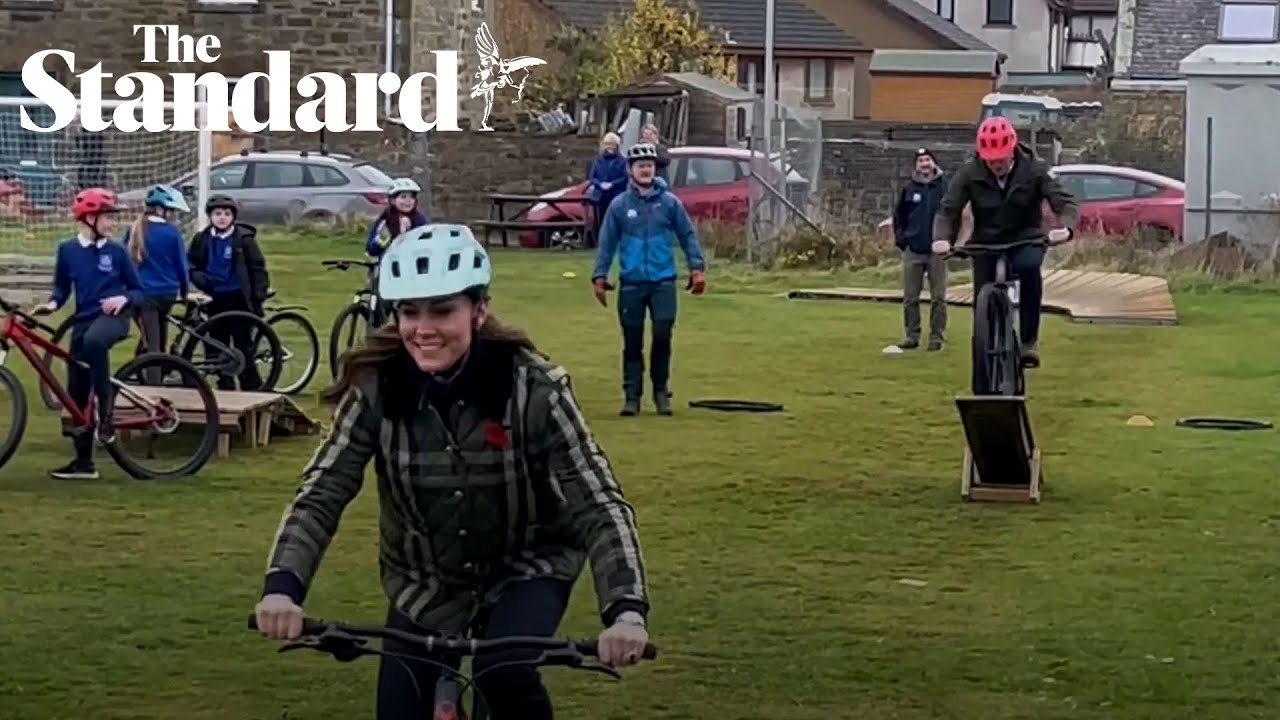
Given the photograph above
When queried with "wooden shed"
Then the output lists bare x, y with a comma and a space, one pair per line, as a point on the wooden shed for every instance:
688, 108
931, 86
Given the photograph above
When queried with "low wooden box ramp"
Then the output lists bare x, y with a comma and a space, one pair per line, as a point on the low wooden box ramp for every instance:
252, 418
1083, 295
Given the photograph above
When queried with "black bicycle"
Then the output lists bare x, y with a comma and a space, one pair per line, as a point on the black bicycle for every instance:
299, 345
348, 642
196, 341
998, 365
365, 309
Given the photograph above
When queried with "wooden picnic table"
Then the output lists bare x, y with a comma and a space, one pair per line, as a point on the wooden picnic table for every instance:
499, 220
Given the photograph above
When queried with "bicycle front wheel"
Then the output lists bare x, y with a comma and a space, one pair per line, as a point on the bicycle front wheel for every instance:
300, 349
997, 365
350, 327
47, 395
166, 418
263, 353
13, 411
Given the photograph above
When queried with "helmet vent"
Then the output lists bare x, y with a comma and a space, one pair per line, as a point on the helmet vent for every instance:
424, 264
455, 261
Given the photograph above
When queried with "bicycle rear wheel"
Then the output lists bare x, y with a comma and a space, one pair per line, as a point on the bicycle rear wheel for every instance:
264, 346
997, 368
300, 351
350, 327
47, 395
164, 402
14, 397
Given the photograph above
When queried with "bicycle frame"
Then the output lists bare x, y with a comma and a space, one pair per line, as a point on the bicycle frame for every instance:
14, 332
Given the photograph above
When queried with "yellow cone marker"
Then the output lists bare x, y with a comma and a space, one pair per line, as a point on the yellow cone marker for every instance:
1140, 421
570, 274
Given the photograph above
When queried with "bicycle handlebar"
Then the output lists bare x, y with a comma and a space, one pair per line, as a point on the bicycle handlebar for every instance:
26, 318
346, 264
321, 629
969, 250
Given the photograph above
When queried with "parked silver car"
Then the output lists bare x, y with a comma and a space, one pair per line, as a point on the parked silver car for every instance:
279, 186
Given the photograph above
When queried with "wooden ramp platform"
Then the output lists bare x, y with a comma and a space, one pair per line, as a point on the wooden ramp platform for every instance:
251, 417
1084, 296
1001, 459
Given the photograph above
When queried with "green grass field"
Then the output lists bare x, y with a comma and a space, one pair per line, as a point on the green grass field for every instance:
775, 544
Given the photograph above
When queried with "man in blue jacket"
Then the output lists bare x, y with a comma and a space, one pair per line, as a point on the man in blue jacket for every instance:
913, 234
638, 228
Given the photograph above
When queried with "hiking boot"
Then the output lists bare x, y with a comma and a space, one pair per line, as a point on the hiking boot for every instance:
75, 470
630, 408
909, 344
1031, 355
662, 402
935, 345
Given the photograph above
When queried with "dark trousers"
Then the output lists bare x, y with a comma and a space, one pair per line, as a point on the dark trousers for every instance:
657, 300
91, 344
1024, 264
153, 320
236, 335
914, 268
406, 689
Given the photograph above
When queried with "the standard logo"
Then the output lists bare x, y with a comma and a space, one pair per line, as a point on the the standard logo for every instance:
325, 93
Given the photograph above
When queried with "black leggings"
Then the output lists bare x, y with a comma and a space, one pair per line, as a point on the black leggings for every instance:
406, 689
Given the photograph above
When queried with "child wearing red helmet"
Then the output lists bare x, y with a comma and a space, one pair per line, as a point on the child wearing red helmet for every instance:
99, 272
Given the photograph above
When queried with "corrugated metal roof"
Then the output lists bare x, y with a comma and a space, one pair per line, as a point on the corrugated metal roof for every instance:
708, 84
940, 62
1094, 6
796, 27
935, 22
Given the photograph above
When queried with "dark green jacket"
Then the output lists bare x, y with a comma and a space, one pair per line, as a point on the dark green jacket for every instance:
1008, 214
495, 483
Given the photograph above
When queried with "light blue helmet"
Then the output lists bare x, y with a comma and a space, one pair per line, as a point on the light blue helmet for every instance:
433, 261
166, 196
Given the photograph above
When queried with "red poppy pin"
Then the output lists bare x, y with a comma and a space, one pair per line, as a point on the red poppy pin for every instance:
496, 436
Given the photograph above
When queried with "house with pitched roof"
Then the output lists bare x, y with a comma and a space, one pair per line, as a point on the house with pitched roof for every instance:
1155, 35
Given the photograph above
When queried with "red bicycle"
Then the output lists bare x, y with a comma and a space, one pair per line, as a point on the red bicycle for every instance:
145, 411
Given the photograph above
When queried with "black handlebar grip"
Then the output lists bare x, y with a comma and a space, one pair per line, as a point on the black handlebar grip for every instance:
591, 648
309, 626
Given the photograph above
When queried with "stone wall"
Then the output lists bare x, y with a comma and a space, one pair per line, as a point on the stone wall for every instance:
1143, 129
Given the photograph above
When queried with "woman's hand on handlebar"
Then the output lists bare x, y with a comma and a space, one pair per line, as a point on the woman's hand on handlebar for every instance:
623, 643
279, 617
44, 309
1057, 236
941, 247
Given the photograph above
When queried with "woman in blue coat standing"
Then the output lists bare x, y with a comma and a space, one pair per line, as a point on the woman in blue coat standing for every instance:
607, 179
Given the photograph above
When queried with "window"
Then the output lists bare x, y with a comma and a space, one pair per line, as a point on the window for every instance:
999, 12
710, 171
1247, 22
1086, 27
751, 75
818, 74
326, 176
1144, 190
228, 177
947, 10
1100, 187
279, 174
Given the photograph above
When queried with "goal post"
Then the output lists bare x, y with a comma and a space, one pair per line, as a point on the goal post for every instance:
40, 172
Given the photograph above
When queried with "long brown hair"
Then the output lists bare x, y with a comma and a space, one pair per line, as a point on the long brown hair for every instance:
384, 347
138, 238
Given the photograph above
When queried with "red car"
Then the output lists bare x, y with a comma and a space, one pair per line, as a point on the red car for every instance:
1118, 200
713, 183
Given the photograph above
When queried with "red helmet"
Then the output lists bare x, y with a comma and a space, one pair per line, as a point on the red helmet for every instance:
997, 139
93, 201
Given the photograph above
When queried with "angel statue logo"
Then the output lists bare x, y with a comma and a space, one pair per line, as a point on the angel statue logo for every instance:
496, 73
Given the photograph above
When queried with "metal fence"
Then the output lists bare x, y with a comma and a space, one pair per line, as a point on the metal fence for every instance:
784, 186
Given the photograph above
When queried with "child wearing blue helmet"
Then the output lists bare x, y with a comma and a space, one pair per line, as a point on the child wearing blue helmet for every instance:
157, 248
493, 491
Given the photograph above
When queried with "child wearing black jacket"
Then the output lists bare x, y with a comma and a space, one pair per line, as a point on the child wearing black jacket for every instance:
227, 264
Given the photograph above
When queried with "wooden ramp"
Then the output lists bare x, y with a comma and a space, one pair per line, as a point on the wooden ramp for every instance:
253, 418
1001, 460
1084, 296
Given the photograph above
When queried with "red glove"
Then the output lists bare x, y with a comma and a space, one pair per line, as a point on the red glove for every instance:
601, 287
697, 282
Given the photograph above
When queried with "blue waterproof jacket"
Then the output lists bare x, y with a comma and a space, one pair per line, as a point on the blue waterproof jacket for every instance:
642, 231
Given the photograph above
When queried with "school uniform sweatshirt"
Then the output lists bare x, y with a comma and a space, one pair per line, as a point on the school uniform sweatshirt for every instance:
94, 271
163, 271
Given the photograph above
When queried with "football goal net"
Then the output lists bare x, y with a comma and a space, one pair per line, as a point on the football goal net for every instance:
41, 172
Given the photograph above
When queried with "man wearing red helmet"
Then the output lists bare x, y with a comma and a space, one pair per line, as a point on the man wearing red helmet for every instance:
1004, 185
105, 282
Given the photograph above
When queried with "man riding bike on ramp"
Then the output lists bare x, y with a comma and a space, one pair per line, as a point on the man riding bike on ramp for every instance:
1004, 184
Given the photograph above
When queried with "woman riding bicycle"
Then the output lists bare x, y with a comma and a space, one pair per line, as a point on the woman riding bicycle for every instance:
493, 491
157, 248
1004, 184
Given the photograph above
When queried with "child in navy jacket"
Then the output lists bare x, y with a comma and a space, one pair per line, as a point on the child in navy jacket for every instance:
401, 216
158, 249
105, 283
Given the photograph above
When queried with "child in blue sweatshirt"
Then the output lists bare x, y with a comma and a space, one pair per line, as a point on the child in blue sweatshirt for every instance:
105, 283
157, 248
401, 216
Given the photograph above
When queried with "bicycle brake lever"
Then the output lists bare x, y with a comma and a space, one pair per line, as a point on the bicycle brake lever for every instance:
574, 660
597, 667
343, 649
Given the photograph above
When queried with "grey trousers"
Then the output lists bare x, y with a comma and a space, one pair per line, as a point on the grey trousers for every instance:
914, 268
